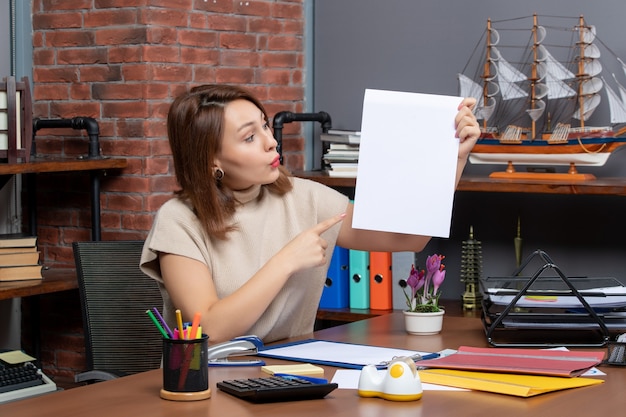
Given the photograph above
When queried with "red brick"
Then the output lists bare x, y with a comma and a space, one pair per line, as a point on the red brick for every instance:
195, 37
155, 166
225, 22
287, 10
125, 202
158, 53
115, 17
237, 41
123, 36
280, 59
137, 221
43, 21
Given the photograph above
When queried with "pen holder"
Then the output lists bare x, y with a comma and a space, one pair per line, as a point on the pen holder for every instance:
185, 369
616, 353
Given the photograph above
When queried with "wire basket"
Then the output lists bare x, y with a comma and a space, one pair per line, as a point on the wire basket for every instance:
616, 354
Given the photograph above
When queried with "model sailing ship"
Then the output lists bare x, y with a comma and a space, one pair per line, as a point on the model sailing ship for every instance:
535, 112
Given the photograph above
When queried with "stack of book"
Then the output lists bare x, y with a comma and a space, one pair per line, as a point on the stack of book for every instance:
19, 257
341, 152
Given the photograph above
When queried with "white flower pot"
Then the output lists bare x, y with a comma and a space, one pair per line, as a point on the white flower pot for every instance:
423, 323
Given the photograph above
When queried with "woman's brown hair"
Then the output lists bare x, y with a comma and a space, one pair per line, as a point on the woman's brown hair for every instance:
195, 126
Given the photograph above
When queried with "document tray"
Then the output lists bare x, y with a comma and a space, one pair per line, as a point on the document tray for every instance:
554, 310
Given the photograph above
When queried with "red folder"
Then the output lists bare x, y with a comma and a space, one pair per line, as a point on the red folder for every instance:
519, 361
380, 281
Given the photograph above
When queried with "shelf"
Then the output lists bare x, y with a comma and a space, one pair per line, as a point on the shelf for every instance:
348, 315
54, 280
601, 186
49, 164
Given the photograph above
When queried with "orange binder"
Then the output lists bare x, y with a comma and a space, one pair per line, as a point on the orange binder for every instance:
380, 281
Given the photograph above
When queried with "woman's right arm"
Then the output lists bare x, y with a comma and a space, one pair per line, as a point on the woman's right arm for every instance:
191, 288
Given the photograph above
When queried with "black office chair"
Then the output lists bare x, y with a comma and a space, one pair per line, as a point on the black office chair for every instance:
120, 338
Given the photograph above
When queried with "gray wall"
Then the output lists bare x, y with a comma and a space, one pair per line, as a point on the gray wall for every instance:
420, 46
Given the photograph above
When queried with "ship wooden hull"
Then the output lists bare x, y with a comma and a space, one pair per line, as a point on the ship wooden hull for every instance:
588, 152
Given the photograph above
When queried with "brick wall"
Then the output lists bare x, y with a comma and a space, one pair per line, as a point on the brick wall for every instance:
123, 65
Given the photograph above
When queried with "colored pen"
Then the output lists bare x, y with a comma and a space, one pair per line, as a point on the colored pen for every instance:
179, 320
194, 326
157, 324
165, 326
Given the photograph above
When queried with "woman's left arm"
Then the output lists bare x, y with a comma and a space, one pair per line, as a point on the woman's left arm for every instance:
468, 131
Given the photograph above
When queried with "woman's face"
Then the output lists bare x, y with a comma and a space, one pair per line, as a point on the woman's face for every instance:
248, 156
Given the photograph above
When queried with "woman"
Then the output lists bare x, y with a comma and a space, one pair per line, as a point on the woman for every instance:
243, 243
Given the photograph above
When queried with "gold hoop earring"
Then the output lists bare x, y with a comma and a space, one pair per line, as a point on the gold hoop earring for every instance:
218, 174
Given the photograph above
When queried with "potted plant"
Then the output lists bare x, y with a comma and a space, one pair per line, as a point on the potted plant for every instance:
424, 314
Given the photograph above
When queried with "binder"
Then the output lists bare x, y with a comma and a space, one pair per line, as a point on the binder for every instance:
400, 269
336, 293
544, 362
359, 279
380, 281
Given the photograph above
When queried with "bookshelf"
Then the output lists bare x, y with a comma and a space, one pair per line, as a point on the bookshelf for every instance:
599, 187
42, 165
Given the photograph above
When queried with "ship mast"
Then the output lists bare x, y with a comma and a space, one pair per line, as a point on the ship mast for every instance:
581, 76
533, 77
487, 70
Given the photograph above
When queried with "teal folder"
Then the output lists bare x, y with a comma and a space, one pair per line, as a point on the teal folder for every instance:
336, 293
359, 279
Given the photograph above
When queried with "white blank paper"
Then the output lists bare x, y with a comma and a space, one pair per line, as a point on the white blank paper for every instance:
407, 163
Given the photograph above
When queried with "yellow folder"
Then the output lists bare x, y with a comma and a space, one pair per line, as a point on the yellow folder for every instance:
511, 384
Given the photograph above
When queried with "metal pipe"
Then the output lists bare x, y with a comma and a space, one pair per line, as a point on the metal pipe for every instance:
89, 124
287, 117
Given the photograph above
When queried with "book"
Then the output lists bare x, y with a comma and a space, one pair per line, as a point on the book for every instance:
341, 136
341, 171
19, 258
19, 273
18, 250
17, 240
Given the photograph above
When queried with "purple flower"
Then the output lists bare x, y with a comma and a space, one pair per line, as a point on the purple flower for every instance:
438, 278
424, 296
433, 263
415, 279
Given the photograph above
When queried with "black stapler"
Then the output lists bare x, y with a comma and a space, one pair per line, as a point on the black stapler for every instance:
219, 354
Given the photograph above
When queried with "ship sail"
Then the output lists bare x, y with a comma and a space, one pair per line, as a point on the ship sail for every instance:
508, 76
617, 107
470, 88
555, 74
590, 85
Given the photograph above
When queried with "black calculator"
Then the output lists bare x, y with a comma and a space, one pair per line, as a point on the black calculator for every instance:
280, 387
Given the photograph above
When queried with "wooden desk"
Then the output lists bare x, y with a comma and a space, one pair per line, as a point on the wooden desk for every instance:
139, 394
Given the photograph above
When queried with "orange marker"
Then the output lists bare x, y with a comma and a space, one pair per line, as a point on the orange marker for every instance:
194, 326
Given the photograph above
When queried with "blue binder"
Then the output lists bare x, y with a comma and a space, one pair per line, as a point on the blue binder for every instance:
336, 293
359, 279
